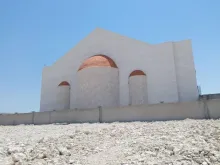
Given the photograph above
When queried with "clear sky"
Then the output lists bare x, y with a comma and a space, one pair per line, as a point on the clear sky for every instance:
37, 32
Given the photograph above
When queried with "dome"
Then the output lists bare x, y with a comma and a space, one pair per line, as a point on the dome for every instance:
98, 61
64, 83
137, 73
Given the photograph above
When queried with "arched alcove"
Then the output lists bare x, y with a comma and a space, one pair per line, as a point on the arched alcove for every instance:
98, 61
64, 83
63, 96
138, 87
98, 83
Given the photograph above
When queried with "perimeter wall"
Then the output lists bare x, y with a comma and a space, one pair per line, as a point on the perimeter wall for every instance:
205, 108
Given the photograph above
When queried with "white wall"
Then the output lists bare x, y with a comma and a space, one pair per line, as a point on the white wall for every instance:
166, 111
49, 88
16, 119
97, 86
75, 116
214, 108
164, 82
185, 70
42, 117
63, 98
138, 89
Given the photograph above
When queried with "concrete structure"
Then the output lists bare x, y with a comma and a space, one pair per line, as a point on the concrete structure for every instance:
97, 73
201, 109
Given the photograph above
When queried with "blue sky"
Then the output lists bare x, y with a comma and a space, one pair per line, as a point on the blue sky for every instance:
37, 32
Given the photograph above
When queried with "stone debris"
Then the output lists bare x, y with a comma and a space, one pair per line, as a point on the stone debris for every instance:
186, 142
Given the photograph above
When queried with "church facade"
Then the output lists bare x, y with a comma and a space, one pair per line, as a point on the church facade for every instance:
110, 70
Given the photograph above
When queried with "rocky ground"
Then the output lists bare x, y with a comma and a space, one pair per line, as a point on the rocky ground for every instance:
148, 143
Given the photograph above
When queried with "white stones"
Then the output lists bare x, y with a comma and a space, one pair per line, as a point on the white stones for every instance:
64, 151
41, 156
18, 157
173, 142
14, 149
6, 161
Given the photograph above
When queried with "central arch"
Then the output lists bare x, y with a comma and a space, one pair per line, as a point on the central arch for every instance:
98, 61
98, 83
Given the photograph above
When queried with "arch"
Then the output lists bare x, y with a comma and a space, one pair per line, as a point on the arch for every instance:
98, 61
138, 87
137, 73
64, 83
98, 85
63, 96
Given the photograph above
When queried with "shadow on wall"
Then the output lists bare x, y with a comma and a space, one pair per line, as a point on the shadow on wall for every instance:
167, 111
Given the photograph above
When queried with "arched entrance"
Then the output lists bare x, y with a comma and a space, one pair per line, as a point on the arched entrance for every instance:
63, 96
138, 87
98, 83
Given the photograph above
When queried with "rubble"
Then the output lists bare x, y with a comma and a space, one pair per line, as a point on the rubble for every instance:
141, 143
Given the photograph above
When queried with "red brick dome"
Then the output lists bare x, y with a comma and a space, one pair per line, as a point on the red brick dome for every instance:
137, 73
64, 83
98, 61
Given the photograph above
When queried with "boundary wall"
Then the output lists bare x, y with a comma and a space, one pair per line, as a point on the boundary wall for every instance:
202, 109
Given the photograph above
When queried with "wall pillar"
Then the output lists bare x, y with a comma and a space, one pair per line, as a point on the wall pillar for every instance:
33, 117
124, 89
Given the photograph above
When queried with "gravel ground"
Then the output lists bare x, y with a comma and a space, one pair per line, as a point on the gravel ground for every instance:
148, 143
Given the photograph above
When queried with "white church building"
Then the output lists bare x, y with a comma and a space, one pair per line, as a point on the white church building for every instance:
109, 70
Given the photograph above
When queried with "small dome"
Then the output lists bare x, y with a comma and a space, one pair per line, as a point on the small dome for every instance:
98, 61
64, 83
137, 73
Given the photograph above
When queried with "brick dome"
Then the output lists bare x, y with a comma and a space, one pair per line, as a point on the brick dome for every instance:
98, 61
137, 73
64, 83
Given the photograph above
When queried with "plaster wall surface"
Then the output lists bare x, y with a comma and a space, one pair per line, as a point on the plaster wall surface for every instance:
153, 112
49, 89
97, 86
138, 89
75, 116
7, 119
168, 111
23, 118
164, 83
63, 98
16, 119
42, 118
185, 71
214, 108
